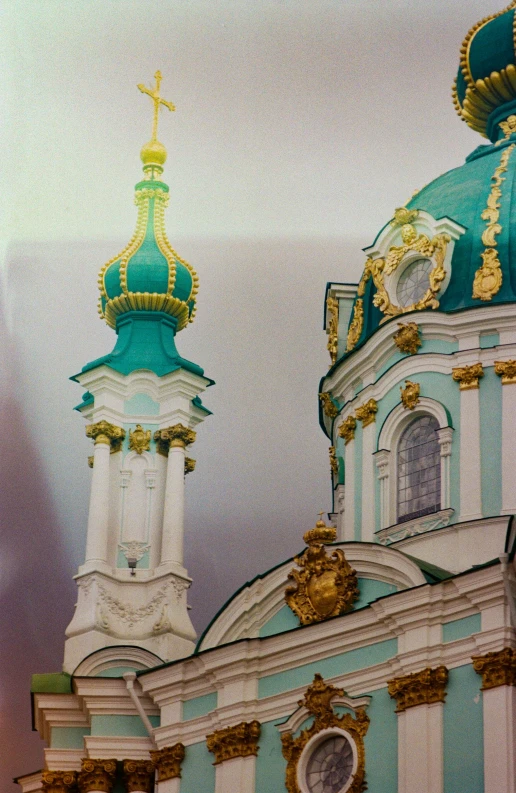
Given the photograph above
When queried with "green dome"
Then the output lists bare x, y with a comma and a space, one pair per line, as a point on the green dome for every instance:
148, 275
485, 89
479, 199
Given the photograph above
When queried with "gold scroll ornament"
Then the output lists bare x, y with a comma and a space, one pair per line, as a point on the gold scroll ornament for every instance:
347, 429
407, 338
334, 463
139, 440
488, 278
333, 328
329, 407
317, 701
326, 585
410, 394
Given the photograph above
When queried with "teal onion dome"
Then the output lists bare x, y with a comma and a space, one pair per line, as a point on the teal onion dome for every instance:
148, 275
484, 92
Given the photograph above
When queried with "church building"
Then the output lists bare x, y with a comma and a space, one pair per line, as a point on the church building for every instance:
383, 656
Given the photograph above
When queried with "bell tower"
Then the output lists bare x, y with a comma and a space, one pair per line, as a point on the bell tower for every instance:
142, 406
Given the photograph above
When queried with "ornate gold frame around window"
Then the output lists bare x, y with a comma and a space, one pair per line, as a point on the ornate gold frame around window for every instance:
317, 701
380, 268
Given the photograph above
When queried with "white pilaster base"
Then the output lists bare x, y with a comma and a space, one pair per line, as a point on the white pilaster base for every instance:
499, 739
236, 775
169, 785
420, 749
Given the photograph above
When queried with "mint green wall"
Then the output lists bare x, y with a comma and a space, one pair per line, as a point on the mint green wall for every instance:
340, 664
358, 481
381, 744
443, 389
489, 340
286, 620
198, 771
283, 620
141, 405
121, 725
490, 395
270, 763
428, 345
68, 737
459, 629
463, 733
199, 706
116, 671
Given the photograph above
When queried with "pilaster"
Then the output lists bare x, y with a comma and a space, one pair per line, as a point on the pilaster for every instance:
498, 671
167, 762
347, 431
367, 415
468, 378
235, 749
506, 370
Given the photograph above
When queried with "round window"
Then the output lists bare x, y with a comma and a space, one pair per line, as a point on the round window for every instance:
330, 765
414, 281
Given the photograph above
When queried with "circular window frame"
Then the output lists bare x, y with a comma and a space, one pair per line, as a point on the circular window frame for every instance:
312, 745
391, 282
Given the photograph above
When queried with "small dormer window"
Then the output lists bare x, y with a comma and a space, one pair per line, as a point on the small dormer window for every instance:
414, 282
419, 469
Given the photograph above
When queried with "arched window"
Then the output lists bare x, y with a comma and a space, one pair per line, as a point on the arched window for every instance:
419, 469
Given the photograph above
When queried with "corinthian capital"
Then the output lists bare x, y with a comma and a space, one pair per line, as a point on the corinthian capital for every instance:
59, 781
419, 688
238, 741
96, 775
506, 370
168, 761
497, 669
177, 435
104, 432
468, 376
138, 776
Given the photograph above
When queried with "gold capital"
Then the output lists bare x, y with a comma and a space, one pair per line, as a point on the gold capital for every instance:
497, 669
96, 775
329, 407
506, 370
59, 781
238, 741
168, 761
104, 432
138, 776
367, 413
468, 376
178, 435
419, 688
157, 100
347, 429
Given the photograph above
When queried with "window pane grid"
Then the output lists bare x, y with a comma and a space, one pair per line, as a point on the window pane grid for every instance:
419, 469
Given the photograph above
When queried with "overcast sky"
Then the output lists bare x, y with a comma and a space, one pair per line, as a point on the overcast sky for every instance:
300, 126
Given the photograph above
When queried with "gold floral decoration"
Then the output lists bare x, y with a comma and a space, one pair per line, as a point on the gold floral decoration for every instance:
238, 741
508, 128
497, 668
404, 216
329, 407
104, 432
334, 463
367, 413
347, 429
410, 394
333, 328
407, 338
168, 761
59, 781
189, 465
468, 376
488, 278
96, 775
356, 325
326, 585
177, 435
412, 243
317, 701
506, 370
139, 440
138, 776
419, 688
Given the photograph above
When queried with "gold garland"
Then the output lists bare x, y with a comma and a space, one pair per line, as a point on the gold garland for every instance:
356, 326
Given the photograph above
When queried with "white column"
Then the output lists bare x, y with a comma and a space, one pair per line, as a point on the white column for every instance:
508, 448
97, 534
470, 479
382, 461
444, 436
499, 739
237, 774
420, 749
368, 483
349, 504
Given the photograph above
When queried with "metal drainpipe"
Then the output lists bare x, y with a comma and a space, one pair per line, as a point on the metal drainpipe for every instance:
130, 678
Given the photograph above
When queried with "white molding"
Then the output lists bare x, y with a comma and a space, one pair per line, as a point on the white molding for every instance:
137, 657
118, 747
414, 527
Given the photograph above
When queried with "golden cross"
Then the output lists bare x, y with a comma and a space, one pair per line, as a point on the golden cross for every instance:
320, 514
157, 101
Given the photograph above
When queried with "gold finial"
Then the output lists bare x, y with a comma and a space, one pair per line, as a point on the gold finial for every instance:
157, 101
154, 154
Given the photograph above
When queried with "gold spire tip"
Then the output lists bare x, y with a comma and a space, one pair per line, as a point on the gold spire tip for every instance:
154, 153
